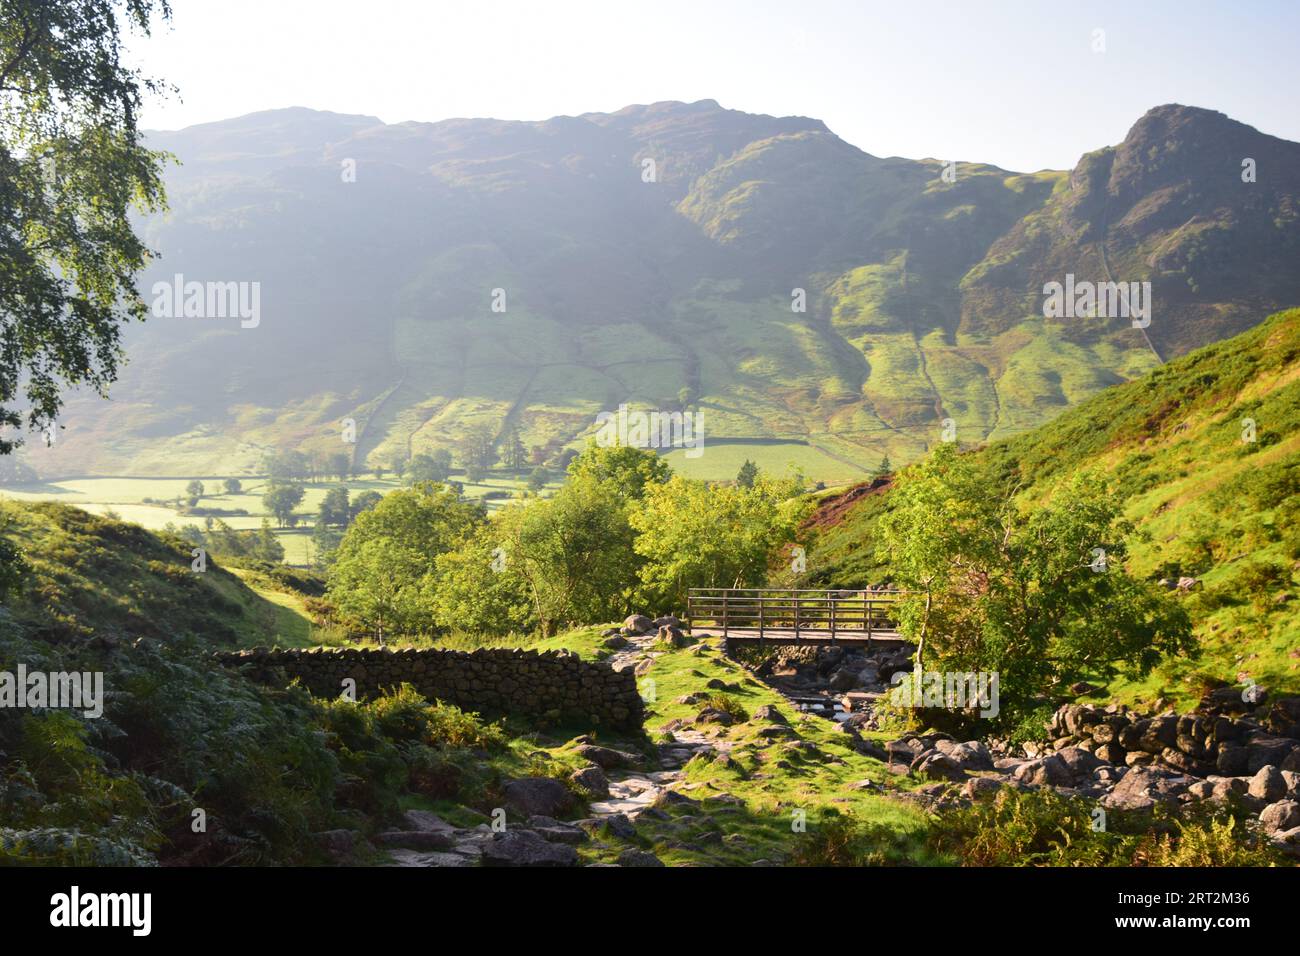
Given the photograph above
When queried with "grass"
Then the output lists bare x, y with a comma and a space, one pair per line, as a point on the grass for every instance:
1204, 503
124, 497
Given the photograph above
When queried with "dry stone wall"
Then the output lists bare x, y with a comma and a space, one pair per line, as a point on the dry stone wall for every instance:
555, 685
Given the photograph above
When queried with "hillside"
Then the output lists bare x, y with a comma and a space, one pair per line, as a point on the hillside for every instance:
377, 249
1205, 502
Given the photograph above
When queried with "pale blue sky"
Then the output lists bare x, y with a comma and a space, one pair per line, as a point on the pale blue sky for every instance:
1011, 82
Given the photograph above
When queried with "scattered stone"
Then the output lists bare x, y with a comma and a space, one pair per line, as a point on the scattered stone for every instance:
539, 795
516, 847
592, 780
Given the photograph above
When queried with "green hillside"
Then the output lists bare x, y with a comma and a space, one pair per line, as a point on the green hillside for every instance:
1206, 503
666, 287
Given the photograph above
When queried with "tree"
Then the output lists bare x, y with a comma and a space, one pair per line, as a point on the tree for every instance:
538, 479
480, 589
73, 168
232, 486
194, 490
692, 534
748, 472
413, 526
339, 464
885, 467
575, 552
513, 453
286, 466
384, 585
478, 448
475, 473
1040, 595
398, 465
335, 510
434, 467
281, 500
629, 470
379, 472
685, 397
365, 501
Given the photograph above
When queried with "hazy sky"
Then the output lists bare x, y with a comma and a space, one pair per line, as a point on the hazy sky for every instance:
1017, 84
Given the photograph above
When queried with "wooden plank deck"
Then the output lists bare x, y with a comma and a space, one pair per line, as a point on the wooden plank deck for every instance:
811, 637
802, 616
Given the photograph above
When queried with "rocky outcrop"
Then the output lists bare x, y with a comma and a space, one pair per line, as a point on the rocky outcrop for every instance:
553, 685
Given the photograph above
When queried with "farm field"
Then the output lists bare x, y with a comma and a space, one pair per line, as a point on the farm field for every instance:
721, 460
125, 497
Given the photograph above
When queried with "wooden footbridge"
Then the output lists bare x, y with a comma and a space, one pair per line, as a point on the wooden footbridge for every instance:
763, 616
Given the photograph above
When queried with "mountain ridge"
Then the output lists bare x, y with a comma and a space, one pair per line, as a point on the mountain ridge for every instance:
653, 254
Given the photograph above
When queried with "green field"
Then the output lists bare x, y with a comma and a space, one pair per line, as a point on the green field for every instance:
125, 497
720, 461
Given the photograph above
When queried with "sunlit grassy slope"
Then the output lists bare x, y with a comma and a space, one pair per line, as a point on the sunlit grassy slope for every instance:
1206, 452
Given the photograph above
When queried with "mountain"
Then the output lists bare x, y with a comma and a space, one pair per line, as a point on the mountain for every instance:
652, 256
1206, 453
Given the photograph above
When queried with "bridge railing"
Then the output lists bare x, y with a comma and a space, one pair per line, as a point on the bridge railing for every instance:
835, 611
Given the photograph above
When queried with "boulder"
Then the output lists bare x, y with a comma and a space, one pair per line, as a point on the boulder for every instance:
674, 636
1050, 771
939, 766
638, 624
1280, 816
539, 795
1266, 750
1143, 787
631, 857
667, 620
844, 679
516, 847
607, 758
1232, 760
971, 755
979, 788
769, 714
592, 780
1079, 762
1267, 785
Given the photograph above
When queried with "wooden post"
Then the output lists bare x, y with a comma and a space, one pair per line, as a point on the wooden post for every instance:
796, 615
760, 618
724, 613
831, 601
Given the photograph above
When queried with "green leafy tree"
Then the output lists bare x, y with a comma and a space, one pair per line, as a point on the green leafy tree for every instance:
232, 486
513, 453
480, 589
398, 465
575, 552
365, 501
287, 466
747, 474
414, 525
885, 467
692, 534
383, 585
340, 465
478, 447
538, 478
73, 169
281, 500
432, 467
335, 509
194, 490
630, 471
1038, 595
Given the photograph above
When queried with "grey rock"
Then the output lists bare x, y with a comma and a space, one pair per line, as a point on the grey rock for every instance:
1280, 816
516, 847
539, 795
1267, 785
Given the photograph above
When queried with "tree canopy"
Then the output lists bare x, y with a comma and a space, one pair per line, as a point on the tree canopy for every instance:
73, 168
